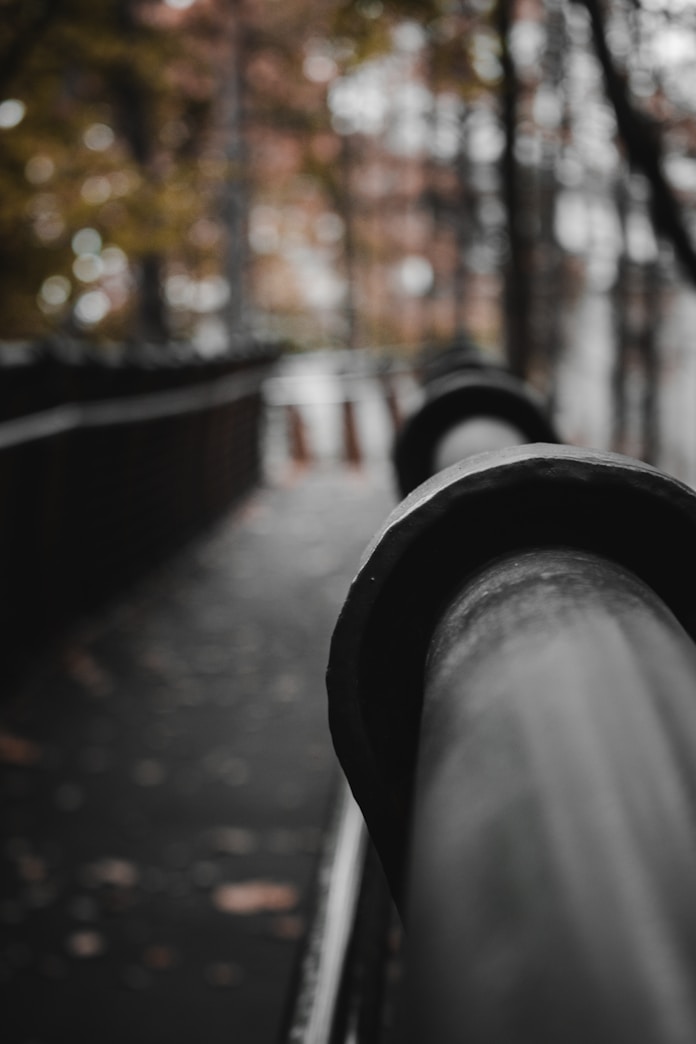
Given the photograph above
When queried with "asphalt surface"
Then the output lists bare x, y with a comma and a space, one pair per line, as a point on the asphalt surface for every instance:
165, 778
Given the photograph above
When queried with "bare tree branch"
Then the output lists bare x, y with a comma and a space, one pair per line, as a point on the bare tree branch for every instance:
641, 138
518, 335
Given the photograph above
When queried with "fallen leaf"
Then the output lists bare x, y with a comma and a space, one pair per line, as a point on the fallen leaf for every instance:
159, 957
15, 750
250, 897
288, 926
234, 840
117, 872
86, 672
149, 773
85, 943
31, 868
224, 974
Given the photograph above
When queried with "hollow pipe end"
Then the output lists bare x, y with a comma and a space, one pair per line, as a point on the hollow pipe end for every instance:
460, 396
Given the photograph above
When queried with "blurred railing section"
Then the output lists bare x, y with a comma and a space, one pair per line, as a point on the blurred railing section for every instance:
465, 404
470, 405
510, 696
336, 406
106, 466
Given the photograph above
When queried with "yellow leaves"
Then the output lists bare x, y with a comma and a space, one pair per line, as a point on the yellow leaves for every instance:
367, 36
158, 216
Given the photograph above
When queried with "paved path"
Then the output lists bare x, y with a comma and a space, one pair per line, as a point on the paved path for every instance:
165, 780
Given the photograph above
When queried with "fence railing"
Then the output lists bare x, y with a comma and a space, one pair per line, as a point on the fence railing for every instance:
511, 689
511, 696
104, 471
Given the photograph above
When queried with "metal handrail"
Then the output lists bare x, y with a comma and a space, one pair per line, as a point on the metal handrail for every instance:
511, 692
321, 975
131, 409
553, 847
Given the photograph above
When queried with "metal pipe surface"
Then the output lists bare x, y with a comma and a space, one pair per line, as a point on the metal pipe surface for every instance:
552, 895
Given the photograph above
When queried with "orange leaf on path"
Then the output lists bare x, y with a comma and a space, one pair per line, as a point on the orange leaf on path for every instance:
250, 897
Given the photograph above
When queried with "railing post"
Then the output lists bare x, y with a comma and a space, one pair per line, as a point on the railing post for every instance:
512, 690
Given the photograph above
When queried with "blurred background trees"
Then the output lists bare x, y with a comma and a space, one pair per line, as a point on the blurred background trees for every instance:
358, 173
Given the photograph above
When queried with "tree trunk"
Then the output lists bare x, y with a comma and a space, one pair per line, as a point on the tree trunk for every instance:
234, 202
621, 303
552, 276
517, 293
648, 345
350, 256
135, 111
463, 227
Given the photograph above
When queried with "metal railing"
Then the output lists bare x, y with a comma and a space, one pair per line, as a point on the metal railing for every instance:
511, 689
104, 471
470, 405
467, 403
512, 696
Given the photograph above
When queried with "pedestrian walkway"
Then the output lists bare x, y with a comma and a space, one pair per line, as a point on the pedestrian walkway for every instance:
166, 776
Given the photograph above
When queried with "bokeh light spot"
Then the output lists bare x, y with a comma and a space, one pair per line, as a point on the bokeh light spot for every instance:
87, 267
319, 68
98, 137
96, 189
92, 307
12, 112
39, 169
86, 241
414, 276
114, 261
55, 291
